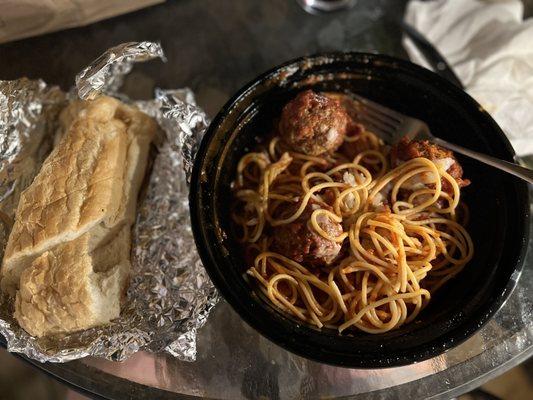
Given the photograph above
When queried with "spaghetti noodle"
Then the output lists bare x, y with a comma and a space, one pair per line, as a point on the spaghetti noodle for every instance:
384, 238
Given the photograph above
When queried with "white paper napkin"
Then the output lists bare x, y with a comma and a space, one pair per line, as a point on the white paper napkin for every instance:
490, 48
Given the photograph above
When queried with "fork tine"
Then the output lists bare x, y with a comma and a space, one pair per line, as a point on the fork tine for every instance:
380, 109
384, 119
384, 131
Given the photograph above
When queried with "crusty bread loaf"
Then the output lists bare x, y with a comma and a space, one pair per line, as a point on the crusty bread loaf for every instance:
77, 206
79, 186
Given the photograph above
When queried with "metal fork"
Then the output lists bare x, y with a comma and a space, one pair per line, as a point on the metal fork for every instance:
391, 126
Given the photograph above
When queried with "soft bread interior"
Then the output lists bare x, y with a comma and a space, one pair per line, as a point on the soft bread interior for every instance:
98, 234
84, 195
62, 292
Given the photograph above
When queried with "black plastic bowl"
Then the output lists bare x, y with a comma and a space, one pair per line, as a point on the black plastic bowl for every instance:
498, 206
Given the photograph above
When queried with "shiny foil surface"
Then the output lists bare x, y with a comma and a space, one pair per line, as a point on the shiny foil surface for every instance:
170, 295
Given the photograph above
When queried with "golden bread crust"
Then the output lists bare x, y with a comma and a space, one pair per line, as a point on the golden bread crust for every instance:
78, 204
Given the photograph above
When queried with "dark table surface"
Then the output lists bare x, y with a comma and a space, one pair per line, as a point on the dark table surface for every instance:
214, 47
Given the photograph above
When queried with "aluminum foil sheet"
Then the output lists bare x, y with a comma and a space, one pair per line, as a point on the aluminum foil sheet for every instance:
170, 294
106, 73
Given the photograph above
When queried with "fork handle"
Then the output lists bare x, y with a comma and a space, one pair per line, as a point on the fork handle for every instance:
514, 169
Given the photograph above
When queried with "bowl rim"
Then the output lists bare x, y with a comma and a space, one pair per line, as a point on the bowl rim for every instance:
442, 344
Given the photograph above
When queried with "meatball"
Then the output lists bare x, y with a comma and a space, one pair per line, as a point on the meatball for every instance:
313, 124
406, 150
303, 244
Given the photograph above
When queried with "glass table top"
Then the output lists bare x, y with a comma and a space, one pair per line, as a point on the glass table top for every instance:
214, 47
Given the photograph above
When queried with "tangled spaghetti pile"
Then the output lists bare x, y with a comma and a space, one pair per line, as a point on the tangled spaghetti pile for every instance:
396, 239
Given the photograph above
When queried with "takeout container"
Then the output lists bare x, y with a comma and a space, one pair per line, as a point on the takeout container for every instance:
499, 207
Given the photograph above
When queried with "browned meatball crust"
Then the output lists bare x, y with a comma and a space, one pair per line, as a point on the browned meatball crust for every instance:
407, 150
303, 244
313, 124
